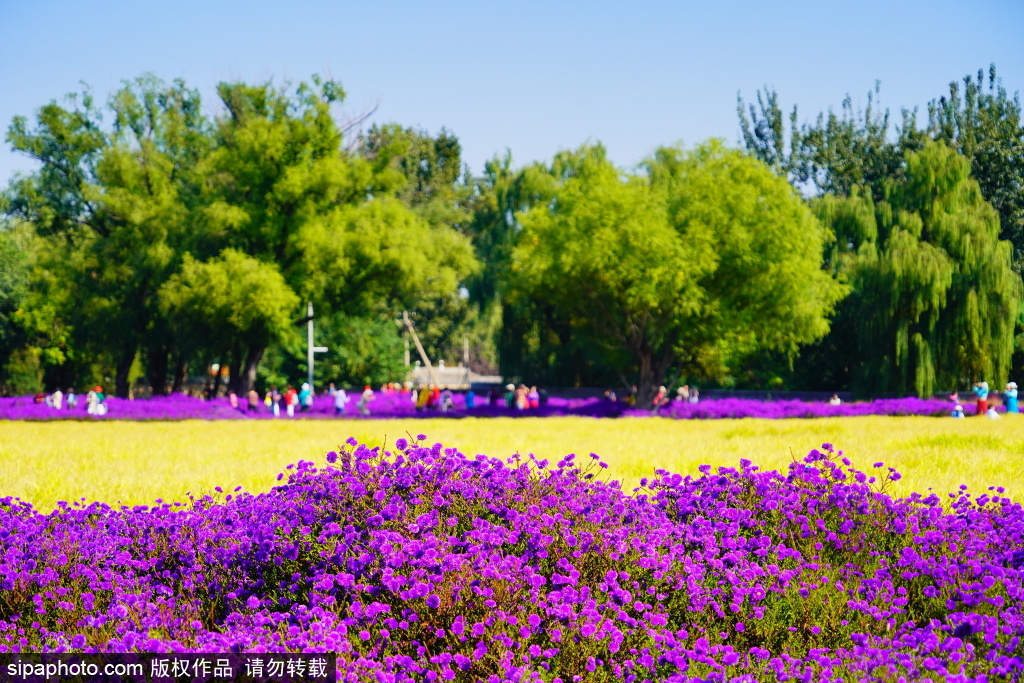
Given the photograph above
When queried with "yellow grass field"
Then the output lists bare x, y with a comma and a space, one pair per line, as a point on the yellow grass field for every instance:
137, 462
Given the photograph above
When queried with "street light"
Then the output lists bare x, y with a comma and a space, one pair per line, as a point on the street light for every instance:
310, 349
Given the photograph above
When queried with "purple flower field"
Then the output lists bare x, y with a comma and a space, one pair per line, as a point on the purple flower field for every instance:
738, 407
417, 563
180, 407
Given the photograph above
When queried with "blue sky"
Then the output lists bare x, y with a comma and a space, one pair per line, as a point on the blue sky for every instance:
533, 77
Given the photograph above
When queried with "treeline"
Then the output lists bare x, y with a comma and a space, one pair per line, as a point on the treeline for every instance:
927, 221
156, 240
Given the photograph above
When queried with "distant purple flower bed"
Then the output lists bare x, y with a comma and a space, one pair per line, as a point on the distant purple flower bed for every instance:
738, 407
179, 407
175, 407
418, 563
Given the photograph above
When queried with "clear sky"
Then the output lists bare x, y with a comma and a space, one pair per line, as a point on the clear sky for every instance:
533, 77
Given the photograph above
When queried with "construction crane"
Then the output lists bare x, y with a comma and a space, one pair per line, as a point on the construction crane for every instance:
407, 324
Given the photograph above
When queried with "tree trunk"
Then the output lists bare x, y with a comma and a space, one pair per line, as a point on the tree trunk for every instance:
207, 378
61, 377
647, 382
237, 362
215, 388
124, 366
653, 368
247, 376
180, 375
158, 357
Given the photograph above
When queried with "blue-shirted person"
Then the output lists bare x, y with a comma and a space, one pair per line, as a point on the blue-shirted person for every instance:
305, 397
1010, 397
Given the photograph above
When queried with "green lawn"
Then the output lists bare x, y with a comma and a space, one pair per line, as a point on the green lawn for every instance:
137, 463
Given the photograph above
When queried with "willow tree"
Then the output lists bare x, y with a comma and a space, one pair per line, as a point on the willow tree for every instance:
935, 298
984, 124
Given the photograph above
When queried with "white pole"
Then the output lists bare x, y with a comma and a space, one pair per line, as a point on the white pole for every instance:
309, 342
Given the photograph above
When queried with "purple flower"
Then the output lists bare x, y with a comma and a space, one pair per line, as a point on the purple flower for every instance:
539, 571
963, 631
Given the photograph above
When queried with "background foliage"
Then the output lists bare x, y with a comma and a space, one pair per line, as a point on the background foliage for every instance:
156, 240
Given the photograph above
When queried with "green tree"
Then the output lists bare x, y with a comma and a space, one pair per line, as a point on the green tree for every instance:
703, 261
235, 298
14, 282
361, 351
13, 289
835, 153
119, 208
606, 258
437, 188
935, 298
533, 340
764, 287
282, 191
115, 206
984, 124
67, 143
157, 189
425, 170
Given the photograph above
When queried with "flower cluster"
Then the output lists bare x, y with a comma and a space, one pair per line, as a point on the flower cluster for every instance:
418, 563
180, 407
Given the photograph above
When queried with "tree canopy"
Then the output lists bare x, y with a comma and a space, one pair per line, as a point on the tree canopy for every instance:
157, 239
188, 238
858, 156
839, 151
935, 296
694, 266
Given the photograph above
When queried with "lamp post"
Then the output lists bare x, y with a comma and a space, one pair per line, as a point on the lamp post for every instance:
310, 349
